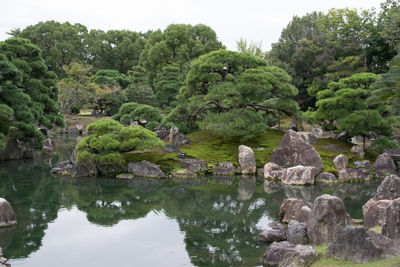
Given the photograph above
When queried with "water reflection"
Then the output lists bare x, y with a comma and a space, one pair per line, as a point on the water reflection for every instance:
216, 219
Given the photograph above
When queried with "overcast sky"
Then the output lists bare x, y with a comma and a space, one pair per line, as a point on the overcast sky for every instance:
255, 20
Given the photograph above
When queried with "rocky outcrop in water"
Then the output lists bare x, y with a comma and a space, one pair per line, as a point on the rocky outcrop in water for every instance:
224, 168
247, 160
7, 214
291, 207
326, 177
145, 169
293, 151
299, 175
354, 174
327, 219
286, 254
194, 165
276, 233
361, 245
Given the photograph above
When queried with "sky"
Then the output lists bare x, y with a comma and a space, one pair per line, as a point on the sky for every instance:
254, 20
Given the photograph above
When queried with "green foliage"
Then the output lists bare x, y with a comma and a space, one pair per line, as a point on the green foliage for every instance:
143, 114
225, 90
28, 92
111, 78
139, 91
108, 139
167, 87
252, 48
125, 109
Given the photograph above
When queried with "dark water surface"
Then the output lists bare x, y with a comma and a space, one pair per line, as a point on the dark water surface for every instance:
145, 222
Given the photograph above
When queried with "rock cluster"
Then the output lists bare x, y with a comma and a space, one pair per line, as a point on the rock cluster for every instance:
7, 214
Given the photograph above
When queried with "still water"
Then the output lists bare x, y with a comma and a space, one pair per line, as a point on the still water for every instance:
145, 222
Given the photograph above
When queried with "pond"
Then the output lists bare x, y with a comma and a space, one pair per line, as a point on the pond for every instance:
145, 222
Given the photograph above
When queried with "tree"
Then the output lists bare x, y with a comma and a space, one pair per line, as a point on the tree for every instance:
234, 93
343, 107
77, 88
167, 87
252, 48
28, 93
145, 115
139, 91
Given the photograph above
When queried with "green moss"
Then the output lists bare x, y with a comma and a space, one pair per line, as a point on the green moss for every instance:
377, 229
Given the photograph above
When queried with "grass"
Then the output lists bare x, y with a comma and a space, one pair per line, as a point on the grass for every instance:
326, 261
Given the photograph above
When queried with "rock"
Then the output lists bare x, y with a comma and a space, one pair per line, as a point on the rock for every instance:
290, 207
340, 162
384, 165
73, 131
3, 261
327, 219
271, 187
63, 168
299, 175
84, 169
356, 221
194, 165
125, 176
260, 172
224, 168
29, 153
286, 254
176, 138
72, 157
247, 160
363, 164
278, 175
361, 245
271, 235
358, 150
108, 169
7, 214
15, 149
303, 215
308, 137
268, 168
391, 220
326, 177
293, 151
163, 134
354, 174
184, 173
172, 149
297, 233
318, 132
389, 188
374, 212
145, 169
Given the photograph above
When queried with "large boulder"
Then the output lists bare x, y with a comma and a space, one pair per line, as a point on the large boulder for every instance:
374, 212
391, 220
84, 169
303, 215
358, 150
176, 138
389, 188
384, 165
326, 177
7, 214
224, 168
247, 160
268, 168
286, 254
183, 173
291, 207
110, 168
194, 165
327, 219
294, 150
361, 245
354, 174
63, 168
276, 233
145, 169
297, 233
340, 162
299, 175
308, 137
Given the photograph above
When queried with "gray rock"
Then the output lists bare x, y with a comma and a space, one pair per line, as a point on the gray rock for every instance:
184, 173
268, 168
108, 169
318, 132
384, 165
224, 168
326, 177
7, 214
278, 174
125, 176
291, 207
271, 187
391, 220
72, 157
272, 235
15, 149
163, 134
303, 215
297, 233
285, 254
145, 169
308, 137
374, 212
172, 149
361, 245
340, 162
176, 138
299, 175
194, 165
293, 151
354, 174
363, 164
389, 188
63, 168
358, 150
84, 169
260, 172
247, 160
327, 219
